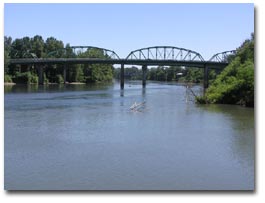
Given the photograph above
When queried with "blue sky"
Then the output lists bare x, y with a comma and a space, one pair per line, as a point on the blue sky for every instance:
205, 28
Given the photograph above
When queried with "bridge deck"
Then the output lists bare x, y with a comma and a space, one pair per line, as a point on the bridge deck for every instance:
43, 61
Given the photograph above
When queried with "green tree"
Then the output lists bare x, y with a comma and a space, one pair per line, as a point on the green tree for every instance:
37, 44
51, 45
53, 48
20, 48
7, 50
160, 74
171, 73
151, 74
96, 72
235, 84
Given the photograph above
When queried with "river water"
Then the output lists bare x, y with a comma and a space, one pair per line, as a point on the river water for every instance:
83, 137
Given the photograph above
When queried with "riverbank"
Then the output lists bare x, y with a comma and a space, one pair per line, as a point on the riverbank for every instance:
9, 83
69, 83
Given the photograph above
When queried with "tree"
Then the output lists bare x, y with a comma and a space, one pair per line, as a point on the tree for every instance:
20, 48
53, 48
37, 46
235, 84
160, 74
7, 50
96, 72
151, 74
51, 45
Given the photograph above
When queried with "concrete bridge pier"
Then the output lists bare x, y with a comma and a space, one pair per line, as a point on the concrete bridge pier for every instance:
144, 70
206, 78
40, 74
64, 73
122, 77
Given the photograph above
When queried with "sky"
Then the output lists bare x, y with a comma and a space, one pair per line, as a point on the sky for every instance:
205, 28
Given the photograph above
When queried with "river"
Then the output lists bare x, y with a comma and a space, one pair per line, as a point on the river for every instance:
85, 137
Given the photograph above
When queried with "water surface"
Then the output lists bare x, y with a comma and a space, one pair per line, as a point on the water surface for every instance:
83, 137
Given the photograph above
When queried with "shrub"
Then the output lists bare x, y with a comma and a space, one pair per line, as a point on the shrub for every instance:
22, 78
235, 84
25, 78
201, 100
8, 78
34, 79
59, 79
45, 79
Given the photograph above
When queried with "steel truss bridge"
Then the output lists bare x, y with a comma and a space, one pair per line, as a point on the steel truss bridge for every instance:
157, 55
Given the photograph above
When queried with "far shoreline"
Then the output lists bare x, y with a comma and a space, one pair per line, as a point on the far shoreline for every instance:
9, 83
68, 83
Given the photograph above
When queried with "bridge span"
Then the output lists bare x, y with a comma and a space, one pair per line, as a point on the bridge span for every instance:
159, 55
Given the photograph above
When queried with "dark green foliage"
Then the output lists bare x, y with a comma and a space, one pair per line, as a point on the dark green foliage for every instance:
161, 73
235, 84
7, 50
52, 44
36, 47
171, 73
193, 75
25, 78
201, 100
133, 73
37, 44
152, 74
45, 79
59, 79
6, 61
212, 75
8, 78
75, 74
34, 79
95, 73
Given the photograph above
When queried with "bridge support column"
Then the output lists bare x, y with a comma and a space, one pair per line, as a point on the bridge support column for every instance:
40, 74
122, 76
205, 78
64, 73
144, 70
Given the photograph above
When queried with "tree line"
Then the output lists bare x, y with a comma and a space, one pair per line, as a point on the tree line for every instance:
171, 73
37, 47
235, 84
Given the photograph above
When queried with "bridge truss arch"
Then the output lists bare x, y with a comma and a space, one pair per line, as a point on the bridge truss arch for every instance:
73, 51
222, 56
165, 53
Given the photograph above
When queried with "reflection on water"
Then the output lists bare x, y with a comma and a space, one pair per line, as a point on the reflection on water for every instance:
54, 87
86, 137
